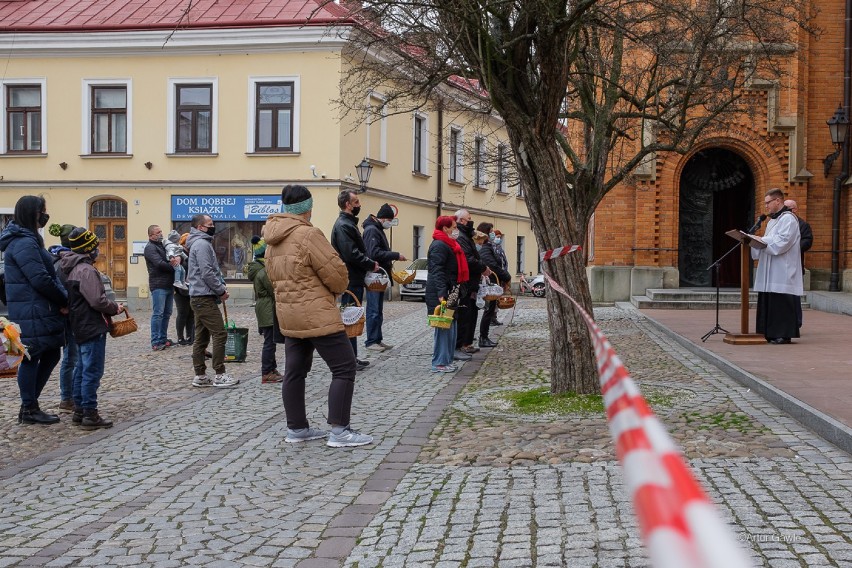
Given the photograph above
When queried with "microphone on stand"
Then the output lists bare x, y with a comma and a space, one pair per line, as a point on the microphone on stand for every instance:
757, 224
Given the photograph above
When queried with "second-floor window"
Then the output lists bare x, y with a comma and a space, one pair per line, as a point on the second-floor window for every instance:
479, 162
417, 244
109, 120
274, 117
194, 106
455, 155
502, 177
521, 250
23, 118
419, 164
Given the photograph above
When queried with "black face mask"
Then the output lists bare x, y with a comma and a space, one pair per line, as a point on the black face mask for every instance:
43, 219
356, 210
211, 230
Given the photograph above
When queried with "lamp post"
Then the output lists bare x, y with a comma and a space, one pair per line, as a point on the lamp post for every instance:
838, 128
364, 170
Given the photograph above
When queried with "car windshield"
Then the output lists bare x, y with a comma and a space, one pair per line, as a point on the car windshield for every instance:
419, 264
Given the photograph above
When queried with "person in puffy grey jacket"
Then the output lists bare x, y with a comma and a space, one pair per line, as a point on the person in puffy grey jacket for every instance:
206, 291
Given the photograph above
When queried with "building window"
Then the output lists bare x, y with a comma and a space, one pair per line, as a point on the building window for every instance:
521, 265
455, 148
194, 118
502, 177
274, 117
521, 192
417, 244
479, 162
376, 119
109, 120
421, 144
108, 209
23, 118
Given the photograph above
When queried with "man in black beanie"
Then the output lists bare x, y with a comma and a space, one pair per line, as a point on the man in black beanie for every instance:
379, 250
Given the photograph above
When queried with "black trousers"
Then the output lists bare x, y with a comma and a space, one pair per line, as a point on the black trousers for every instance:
267, 354
337, 353
467, 323
184, 318
488, 314
776, 315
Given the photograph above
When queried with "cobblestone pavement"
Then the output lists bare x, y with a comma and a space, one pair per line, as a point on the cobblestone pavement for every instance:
191, 477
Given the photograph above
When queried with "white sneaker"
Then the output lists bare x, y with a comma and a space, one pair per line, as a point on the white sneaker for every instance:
377, 347
347, 438
385, 345
202, 381
181, 285
304, 435
225, 380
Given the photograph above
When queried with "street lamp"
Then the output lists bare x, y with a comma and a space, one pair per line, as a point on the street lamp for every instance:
838, 128
364, 170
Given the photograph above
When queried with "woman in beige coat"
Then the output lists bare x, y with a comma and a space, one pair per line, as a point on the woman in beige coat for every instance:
307, 275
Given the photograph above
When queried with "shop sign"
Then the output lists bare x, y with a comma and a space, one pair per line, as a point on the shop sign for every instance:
225, 207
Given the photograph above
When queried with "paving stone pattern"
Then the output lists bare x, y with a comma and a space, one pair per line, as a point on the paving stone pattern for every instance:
203, 477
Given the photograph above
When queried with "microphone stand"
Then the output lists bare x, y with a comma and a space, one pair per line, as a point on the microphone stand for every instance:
718, 328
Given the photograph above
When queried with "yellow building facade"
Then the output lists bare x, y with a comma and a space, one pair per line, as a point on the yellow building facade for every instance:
123, 129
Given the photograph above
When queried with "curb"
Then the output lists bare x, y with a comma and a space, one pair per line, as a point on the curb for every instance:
828, 428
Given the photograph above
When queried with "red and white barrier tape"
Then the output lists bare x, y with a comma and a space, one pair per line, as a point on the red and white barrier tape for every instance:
679, 524
559, 251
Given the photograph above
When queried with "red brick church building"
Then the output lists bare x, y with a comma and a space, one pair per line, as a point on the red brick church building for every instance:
666, 227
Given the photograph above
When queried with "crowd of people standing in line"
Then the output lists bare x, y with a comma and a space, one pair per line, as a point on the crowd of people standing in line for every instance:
63, 304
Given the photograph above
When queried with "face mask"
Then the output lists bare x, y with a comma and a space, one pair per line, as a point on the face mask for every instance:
478, 247
492, 236
386, 224
454, 234
356, 210
497, 240
43, 219
160, 239
211, 230
94, 254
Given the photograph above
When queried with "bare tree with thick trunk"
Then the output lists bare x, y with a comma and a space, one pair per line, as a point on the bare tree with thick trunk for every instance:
589, 90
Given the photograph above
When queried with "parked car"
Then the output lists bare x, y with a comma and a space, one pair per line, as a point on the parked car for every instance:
532, 285
417, 288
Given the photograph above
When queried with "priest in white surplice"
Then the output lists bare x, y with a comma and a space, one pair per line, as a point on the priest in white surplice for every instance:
778, 281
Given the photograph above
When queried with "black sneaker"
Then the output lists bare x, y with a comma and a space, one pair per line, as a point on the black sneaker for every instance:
487, 343
360, 365
92, 420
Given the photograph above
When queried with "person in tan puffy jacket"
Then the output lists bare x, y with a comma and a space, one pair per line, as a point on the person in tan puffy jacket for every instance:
307, 275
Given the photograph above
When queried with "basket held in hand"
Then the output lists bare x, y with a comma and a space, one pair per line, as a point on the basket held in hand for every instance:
377, 281
123, 327
440, 319
353, 317
403, 276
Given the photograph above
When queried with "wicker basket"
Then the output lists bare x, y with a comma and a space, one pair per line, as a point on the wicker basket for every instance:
403, 276
13, 361
377, 281
492, 290
440, 318
354, 317
123, 327
506, 302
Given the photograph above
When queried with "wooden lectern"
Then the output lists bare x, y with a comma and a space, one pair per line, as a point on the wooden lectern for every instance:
744, 337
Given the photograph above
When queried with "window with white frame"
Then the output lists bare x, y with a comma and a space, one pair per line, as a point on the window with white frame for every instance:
502, 172
479, 161
421, 144
455, 149
106, 117
23, 121
377, 128
417, 244
521, 248
273, 118
193, 111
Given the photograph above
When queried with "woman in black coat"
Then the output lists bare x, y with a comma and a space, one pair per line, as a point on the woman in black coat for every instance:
447, 267
37, 302
491, 259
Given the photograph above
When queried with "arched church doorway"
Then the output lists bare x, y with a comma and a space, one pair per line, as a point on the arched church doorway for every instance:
716, 195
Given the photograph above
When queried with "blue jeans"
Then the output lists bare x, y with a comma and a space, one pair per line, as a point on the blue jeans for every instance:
70, 354
162, 311
375, 317
346, 300
444, 345
88, 373
34, 372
